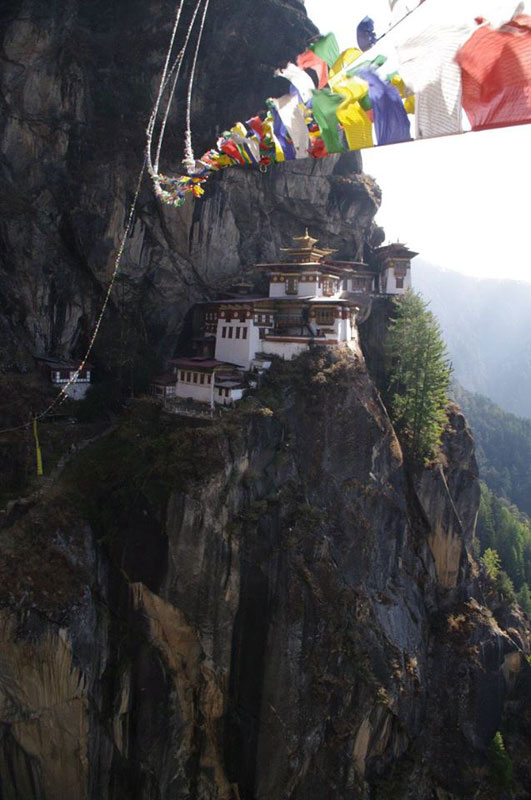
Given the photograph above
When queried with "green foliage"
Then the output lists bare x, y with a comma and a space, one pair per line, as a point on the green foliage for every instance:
503, 447
524, 598
503, 531
501, 768
419, 373
491, 561
100, 399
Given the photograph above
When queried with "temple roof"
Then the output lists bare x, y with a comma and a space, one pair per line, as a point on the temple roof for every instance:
395, 250
304, 249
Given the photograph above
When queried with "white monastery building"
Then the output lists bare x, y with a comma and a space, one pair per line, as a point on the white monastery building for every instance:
313, 300
60, 372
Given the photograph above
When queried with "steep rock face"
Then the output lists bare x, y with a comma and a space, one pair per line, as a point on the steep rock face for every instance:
77, 85
257, 612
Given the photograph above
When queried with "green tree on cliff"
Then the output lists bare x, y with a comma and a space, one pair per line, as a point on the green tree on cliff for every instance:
419, 376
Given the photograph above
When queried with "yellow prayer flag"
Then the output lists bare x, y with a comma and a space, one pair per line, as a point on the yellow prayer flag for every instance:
409, 104
38, 454
267, 127
355, 122
239, 129
346, 58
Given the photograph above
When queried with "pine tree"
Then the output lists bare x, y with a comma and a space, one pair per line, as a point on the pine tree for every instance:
524, 598
419, 376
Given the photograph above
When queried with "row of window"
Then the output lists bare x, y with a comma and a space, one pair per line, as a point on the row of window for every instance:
195, 377
361, 283
292, 286
64, 376
239, 331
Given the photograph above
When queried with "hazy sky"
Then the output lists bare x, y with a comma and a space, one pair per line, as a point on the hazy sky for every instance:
461, 201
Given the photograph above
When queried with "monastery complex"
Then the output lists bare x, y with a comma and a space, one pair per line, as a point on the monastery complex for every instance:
313, 300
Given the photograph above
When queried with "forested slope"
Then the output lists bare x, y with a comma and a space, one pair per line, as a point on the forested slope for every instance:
487, 327
503, 447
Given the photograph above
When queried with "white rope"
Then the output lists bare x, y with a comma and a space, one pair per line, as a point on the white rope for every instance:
62, 396
177, 67
163, 83
189, 159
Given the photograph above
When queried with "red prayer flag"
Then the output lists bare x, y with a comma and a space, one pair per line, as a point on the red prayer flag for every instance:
309, 60
255, 123
230, 149
496, 75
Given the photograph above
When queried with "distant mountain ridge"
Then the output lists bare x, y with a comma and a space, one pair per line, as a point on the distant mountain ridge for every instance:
486, 324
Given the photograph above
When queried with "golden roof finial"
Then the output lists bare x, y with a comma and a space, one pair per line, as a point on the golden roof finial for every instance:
305, 242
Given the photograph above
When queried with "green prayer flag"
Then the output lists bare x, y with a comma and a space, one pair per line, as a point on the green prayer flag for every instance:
373, 64
325, 105
326, 48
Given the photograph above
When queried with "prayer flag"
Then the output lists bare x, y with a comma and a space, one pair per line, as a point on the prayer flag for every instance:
325, 105
365, 34
309, 60
299, 79
496, 71
281, 130
390, 119
427, 65
356, 124
345, 60
292, 116
326, 48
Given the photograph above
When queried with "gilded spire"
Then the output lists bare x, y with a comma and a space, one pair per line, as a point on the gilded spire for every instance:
305, 242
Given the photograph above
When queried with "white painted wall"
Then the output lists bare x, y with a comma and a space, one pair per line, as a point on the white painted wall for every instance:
309, 289
77, 391
197, 391
221, 399
304, 289
277, 289
286, 350
389, 282
236, 351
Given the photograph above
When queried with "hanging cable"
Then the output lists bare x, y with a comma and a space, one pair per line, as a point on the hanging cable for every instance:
177, 66
189, 159
163, 83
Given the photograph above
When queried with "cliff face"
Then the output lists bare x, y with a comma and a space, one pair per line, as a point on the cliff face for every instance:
257, 607
267, 606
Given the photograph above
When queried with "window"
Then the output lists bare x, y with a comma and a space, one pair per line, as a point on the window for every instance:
325, 316
188, 377
195, 377
230, 333
238, 332
399, 283
224, 332
202, 378
182, 375
244, 333
209, 378
292, 285
328, 287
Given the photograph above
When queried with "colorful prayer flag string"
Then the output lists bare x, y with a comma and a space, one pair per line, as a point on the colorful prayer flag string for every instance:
361, 99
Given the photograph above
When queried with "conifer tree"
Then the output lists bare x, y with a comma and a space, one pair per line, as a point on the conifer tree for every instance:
419, 376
